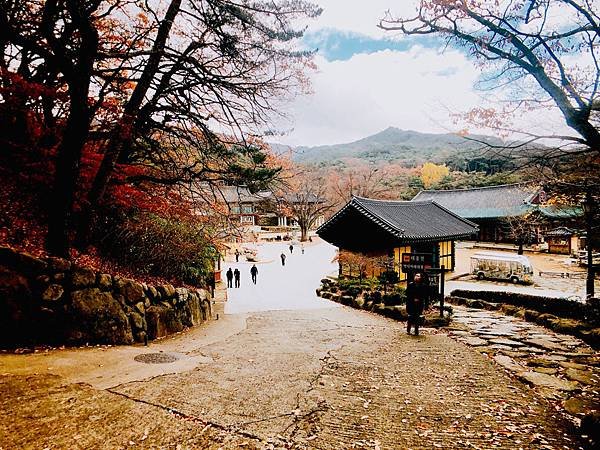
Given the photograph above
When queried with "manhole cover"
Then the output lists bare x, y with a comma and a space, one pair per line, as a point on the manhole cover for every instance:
155, 358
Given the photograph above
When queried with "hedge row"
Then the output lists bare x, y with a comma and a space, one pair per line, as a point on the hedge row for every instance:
562, 307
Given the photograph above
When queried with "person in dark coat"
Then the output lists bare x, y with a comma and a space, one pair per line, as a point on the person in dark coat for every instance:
229, 275
291, 248
236, 276
237, 255
417, 297
283, 259
254, 272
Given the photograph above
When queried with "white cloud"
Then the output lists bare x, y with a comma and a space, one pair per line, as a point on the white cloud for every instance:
361, 16
365, 94
417, 89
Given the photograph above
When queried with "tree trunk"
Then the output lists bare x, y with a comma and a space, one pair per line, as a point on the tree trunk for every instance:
75, 134
303, 233
65, 178
520, 251
124, 132
589, 221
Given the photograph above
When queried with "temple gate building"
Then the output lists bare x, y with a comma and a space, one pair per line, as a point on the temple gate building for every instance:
382, 228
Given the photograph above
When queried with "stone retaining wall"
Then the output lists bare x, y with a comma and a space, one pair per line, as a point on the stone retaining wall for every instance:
52, 301
373, 303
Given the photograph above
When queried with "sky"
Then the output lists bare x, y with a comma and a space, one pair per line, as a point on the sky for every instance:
368, 79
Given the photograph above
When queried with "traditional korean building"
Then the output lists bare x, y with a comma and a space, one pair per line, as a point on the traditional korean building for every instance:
263, 208
492, 208
397, 228
246, 207
489, 206
563, 240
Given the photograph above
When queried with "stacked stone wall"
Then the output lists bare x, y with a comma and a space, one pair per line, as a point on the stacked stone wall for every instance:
52, 301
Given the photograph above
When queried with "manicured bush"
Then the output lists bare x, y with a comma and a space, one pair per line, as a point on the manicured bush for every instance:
354, 291
389, 299
559, 306
375, 297
389, 277
398, 297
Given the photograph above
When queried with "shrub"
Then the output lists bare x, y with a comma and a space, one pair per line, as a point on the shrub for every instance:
353, 291
559, 306
392, 299
389, 277
157, 246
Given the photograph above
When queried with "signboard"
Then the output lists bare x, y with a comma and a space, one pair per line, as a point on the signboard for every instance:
423, 262
415, 262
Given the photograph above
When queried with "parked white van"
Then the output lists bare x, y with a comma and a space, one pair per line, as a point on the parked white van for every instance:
502, 266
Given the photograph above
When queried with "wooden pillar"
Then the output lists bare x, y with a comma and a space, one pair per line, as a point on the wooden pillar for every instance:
453, 257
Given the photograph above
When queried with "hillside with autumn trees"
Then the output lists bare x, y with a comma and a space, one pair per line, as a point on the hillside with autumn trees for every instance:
396, 164
114, 113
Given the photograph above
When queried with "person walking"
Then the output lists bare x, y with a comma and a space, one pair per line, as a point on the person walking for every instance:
237, 255
283, 259
236, 276
417, 297
254, 272
291, 248
229, 275
302, 248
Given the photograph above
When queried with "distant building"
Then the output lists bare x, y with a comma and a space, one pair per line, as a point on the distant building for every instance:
490, 208
563, 240
249, 208
298, 202
396, 228
262, 208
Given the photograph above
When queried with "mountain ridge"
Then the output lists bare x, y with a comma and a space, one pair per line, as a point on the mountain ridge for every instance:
408, 147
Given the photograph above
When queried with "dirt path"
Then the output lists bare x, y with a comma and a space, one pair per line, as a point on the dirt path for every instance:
326, 377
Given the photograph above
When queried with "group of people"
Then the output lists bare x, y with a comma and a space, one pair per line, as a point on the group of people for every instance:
234, 276
418, 292
291, 247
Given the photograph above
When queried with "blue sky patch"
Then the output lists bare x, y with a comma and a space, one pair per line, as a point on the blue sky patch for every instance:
338, 45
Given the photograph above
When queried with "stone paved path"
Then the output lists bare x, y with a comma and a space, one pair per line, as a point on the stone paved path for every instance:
325, 378
562, 368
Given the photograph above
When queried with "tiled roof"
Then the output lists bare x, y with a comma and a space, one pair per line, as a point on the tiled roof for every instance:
561, 231
507, 200
402, 221
561, 211
240, 194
